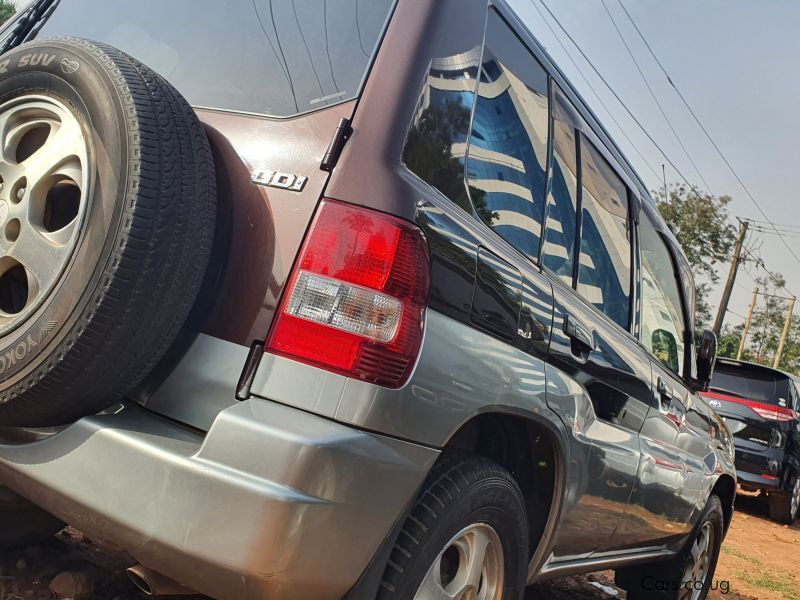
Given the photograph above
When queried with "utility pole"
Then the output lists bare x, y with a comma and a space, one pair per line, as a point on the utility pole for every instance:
786, 326
726, 293
747, 325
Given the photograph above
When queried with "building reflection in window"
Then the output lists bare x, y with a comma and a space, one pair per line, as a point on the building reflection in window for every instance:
506, 161
434, 150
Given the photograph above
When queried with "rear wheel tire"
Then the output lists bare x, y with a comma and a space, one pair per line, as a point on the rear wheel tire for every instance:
688, 576
22, 523
467, 534
783, 507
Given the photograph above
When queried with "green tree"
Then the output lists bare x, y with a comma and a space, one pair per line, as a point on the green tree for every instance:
729, 338
766, 328
428, 153
790, 360
7, 10
702, 225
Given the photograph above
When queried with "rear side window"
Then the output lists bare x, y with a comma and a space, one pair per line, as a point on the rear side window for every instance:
507, 154
663, 319
562, 205
752, 383
262, 56
604, 266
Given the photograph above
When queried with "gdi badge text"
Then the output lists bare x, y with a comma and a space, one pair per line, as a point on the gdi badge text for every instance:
277, 179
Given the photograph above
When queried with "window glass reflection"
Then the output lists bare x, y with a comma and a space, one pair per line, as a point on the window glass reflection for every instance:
508, 148
604, 270
562, 202
286, 58
662, 313
437, 140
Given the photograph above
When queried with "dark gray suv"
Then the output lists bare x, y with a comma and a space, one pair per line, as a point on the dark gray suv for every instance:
316, 300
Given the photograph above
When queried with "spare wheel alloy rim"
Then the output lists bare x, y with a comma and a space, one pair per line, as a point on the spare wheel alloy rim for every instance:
44, 177
470, 567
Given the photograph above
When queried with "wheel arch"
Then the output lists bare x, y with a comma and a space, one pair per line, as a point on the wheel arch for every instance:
725, 489
533, 449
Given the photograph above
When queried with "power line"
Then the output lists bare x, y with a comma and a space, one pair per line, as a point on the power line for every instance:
645, 131
594, 91
616, 95
705, 131
653, 94
783, 226
782, 233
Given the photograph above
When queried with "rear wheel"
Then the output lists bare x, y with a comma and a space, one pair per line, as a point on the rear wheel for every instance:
466, 537
688, 576
784, 507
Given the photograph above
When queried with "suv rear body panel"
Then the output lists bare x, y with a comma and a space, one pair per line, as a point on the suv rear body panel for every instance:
259, 508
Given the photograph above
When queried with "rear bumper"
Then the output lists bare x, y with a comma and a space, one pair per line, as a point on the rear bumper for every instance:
272, 503
751, 482
760, 469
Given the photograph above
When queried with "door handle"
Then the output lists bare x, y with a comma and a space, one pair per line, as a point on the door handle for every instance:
582, 338
664, 393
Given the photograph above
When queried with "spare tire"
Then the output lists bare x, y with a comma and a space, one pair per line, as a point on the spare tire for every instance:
107, 212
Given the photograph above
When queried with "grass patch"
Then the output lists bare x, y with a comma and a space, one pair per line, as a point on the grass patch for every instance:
738, 554
783, 585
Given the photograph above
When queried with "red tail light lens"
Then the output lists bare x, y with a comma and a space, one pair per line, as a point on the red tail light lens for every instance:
762, 409
355, 302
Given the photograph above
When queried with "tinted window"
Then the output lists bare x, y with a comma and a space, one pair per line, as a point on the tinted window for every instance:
604, 269
761, 385
663, 320
437, 141
562, 202
508, 147
277, 58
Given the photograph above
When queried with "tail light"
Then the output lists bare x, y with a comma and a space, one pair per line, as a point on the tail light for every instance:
355, 302
762, 409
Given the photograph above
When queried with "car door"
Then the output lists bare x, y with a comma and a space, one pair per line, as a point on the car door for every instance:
598, 377
675, 440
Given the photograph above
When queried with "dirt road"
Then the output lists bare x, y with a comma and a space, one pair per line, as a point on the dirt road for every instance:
760, 560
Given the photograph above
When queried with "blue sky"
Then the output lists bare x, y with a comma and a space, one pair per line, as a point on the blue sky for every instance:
736, 62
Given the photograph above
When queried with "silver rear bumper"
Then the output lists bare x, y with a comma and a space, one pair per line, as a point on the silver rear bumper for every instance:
272, 502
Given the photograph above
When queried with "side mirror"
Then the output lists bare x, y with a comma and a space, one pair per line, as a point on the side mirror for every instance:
706, 359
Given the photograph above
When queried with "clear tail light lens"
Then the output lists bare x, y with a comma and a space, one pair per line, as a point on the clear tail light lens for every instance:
355, 302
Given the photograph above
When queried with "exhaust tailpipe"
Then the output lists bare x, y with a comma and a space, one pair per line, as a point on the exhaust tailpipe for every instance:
155, 584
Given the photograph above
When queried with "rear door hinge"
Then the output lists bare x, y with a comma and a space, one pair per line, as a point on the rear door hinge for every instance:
343, 131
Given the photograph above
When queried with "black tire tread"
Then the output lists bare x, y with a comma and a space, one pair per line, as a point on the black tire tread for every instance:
452, 474
780, 508
153, 274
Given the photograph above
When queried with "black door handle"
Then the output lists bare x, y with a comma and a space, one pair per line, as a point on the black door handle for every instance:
582, 338
664, 394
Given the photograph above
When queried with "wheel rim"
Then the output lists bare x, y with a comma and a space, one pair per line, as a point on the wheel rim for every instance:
698, 564
795, 498
43, 201
470, 567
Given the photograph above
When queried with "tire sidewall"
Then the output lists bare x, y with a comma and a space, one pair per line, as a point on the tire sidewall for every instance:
662, 580
493, 502
80, 82
712, 514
